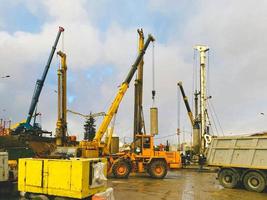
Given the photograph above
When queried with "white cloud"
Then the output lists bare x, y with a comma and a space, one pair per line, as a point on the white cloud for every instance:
235, 33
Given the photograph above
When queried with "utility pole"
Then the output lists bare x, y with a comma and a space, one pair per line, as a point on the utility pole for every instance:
203, 95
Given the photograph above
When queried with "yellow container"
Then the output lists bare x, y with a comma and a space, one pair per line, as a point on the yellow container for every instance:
75, 178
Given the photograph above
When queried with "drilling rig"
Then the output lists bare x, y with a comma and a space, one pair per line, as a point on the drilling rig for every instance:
199, 121
204, 127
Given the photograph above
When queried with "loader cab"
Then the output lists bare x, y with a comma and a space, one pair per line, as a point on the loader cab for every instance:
147, 144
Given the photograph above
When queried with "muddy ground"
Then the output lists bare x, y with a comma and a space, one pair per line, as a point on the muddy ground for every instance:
186, 184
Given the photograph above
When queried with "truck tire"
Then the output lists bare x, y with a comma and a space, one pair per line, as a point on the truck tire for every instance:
254, 181
157, 169
228, 178
121, 169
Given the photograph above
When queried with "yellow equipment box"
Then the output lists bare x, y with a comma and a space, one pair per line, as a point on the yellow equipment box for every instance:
76, 178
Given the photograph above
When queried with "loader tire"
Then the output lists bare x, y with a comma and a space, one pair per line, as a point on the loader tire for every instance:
158, 169
121, 169
254, 181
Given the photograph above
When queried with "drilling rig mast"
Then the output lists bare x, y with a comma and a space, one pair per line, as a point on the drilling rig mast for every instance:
138, 92
204, 128
61, 127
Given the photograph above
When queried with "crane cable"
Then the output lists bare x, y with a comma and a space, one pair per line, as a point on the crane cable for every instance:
216, 116
209, 102
209, 121
153, 74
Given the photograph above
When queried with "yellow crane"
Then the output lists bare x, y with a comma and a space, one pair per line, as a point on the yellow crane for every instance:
96, 148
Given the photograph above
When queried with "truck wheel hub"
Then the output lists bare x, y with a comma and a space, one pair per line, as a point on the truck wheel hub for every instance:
254, 182
228, 179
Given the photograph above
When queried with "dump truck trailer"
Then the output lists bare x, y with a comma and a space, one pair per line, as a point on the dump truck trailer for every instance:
241, 159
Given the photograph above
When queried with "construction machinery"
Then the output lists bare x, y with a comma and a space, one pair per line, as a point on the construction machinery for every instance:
199, 122
96, 148
204, 127
27, 138
242, 161
26, 128
142, 157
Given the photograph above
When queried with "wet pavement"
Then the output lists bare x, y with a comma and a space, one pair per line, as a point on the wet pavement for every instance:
186, 184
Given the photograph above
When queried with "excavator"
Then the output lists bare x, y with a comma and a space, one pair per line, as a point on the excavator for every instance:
141, 159
26, 128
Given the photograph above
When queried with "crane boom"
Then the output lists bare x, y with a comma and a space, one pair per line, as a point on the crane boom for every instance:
123, 88
40, 82
190, 114
138, 91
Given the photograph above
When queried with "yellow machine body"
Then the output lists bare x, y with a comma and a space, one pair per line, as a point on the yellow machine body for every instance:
172, 158
67, 178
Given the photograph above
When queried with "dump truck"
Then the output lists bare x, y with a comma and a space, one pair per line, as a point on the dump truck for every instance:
242, 160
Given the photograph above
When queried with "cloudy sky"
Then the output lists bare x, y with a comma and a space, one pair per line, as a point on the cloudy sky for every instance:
100, 41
